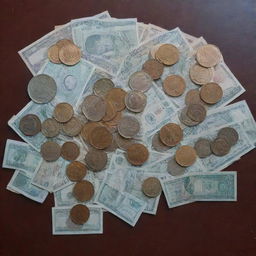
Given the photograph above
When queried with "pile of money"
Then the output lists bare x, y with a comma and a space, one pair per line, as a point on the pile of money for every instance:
121, 111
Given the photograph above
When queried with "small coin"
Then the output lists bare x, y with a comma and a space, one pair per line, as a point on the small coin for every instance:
185, 119
168, 54
79, 214
203, 148
154, 68
140, 81
70, 151
116, 97
157, 143
50, 151
135, 101
151, 187
87, 129
122, 142
63, 112
83, 190
30, 125
53, 54
171, 134
153, 51
50, 128
185, 156
220, 147
76, 171
193, 97
174, 85
64, 42
73, 127
42, 88
94, 108
201, 75
69, 54
229, 134
128, 127
175, 169
102, 86
137, 154
96, 160
196, 112
208, 55
100, 137
110, 111
211, 93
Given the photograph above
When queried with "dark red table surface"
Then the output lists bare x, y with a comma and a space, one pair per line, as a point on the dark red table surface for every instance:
206, 228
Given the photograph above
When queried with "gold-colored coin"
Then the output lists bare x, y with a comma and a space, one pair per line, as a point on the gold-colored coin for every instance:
137, 154
185, 156
53, 54
116, 96
87, 129
154, 68
69, 54
171, 134
63, 112
70, 151
76, 171
64, 42
168, 54
100, 137
83, 191
211, 93
174, 85
79, 214
201, 75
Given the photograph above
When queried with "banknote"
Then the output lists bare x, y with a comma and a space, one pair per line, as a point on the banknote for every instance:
61, 180
21, 183
19, 155
145, 35
141, 28
62, 224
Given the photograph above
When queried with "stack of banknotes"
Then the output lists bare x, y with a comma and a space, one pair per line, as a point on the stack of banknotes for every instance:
116, 48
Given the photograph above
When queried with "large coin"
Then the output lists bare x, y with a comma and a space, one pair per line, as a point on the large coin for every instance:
185, 156
87, 129
203, 148
116, 97
69, 54
200, 75
76, 171
102, 86
42, 88
168, 54
100, 137
171, 134
50, 151
211, 93
50, 128
96, 160
174, 85
73, 127
193, 97
53, 54
110, 112
30, 125
83, 190
157, 143
122, 142
135, 101
196, 112
63, 112
128, 127
229, 134
151, 187
140, 81
137, 154
154, 68
79, 214
70, 151
220, 147
175, 169
185, 119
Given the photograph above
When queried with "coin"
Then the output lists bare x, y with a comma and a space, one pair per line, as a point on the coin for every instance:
112, 147
69, 54
196, 112
171, 134
94, 108
229, 134
50, 151
151, 187
211, 93
42, 88
193, 97
185, 156
175, 169
154, 68
135, 101
30, 125
200, 75
137, 154
87, 129
168, 54
102, 86
113, 123
140, 81
185, 119
157, 143
79, 214
100, 137
203, 148
110, 111
63, 42
122, 142
128, 127
50, 128
83, 191
76, 171
174, 85
63, 112
96, 160
53, 54
220, 147
73, 127
208, 55
70, 151
153, 50
116, 97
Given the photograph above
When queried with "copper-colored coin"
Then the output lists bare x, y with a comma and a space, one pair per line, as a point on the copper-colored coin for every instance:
76, 171
50, 128
168, 54
70, 151
30, 125
154, 68
196, 112
116, 97
122, 142
229, 134
200, 75
96, 160
63, 42
171, 134
174, 85
53, 54
100, 137
63, 112
185, 156
151, 187
79, 214
211, 93
50, 151
69, 54
137, 154
220, 147
83, 191
87, 129
110, 111
73, 127
193, 97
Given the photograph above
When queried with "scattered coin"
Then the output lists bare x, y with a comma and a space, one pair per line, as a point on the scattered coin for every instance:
63, 112
122, 142
175, 169
196, 112
154, 68
112, 124
174, 85
69, 54
185, 119
53, 54
128, 127
193, 97
110, 111
203, 148
140, 81
229, 134
116, 97
211, 93
137, 154
220, 147
135, 101
157, 143
96, 160
83, 190
153, 50
79, 214
151, 187
30, 125
168, 54
50, 128
73, 127
102, 86
76, 171
185, 156
70, 151
42, 88
201, 75
100, 137
50, 151
87, 129
171, 134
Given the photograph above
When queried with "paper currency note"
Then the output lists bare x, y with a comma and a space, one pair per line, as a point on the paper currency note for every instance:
141, 28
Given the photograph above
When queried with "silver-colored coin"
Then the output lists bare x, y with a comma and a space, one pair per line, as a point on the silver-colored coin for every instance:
175, 169
220, 147
50, 151
140, 81
96, 160
122, 142
203, 148
102, 86
230, 134
128, 127
30, 125
157, 144
72, 127
42, 88
135, 101
50, 128
196, 112
185, 119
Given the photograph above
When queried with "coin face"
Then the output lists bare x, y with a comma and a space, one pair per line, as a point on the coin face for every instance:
76, 171
168, 54
63, 112
87, 129
42, 88
70, 151
196, 112
151, 187
50, 151
73, 127
116, 97
135, 101
79, 214
83, 190
201, 75
140, 81
102, 86
185, 156
203, 148
157, 143
30, 125
69, 54
220, 147
128, 127
94, 108
137, 154
100, 137
211, 93
110, 111
154, 68
50, 128
193, 97
96, 160
122, 142
174, 85
175, 169
171, 134
229, 134
185, 119
53, 54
